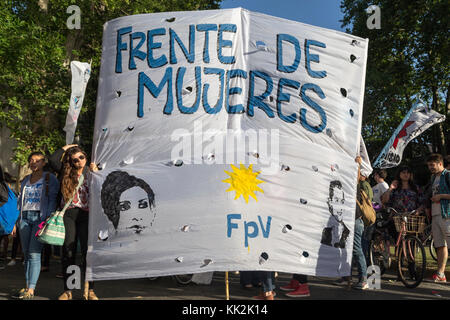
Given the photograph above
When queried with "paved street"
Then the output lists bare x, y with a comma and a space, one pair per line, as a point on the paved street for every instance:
49, 287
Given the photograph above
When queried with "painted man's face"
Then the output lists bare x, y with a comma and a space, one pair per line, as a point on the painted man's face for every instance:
135, 211
337, 204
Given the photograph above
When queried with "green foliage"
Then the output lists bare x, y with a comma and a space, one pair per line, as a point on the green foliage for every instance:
35, 50
407, 58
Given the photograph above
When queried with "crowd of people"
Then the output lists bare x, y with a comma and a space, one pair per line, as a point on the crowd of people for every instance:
403, 195
62, 181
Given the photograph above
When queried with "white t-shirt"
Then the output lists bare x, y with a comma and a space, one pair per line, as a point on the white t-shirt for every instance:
436, 206
378, 191
32, 195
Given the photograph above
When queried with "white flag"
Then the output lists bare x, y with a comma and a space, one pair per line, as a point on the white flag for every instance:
418, 119
366, 167
81, 71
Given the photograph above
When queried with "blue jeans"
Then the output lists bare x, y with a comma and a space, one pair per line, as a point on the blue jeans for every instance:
358, 254
266, 277
31, 247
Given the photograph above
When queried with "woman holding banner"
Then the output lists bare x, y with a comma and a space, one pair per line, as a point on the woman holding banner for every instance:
71, 161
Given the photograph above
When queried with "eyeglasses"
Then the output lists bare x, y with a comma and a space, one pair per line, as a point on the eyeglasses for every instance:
76, 160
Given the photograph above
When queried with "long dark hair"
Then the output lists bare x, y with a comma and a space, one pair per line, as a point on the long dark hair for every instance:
70, 173
411, 183
115, 184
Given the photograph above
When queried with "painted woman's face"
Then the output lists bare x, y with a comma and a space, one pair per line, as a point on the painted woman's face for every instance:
135, 213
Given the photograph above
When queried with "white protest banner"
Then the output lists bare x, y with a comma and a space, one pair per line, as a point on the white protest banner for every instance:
227, 141
418, 119
81, 71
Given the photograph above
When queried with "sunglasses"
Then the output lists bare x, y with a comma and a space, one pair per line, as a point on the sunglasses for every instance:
76, 160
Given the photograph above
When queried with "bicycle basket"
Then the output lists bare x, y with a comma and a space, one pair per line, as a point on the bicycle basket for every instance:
414, 224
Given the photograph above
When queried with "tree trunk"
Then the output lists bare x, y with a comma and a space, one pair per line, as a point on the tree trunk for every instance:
438, 133
73, 42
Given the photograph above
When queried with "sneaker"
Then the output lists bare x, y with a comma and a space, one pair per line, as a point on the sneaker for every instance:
362, 285
12, 263
340, 282
26, 296
301, 291
90, 296
437, 278
67, 295
294, 284
18, 293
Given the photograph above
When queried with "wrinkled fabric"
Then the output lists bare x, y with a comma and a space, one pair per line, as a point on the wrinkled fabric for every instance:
226, 140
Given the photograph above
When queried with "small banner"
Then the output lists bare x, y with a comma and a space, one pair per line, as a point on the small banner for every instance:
81, 71
418, 119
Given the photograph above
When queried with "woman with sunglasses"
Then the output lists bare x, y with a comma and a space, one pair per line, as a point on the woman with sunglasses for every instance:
72, 165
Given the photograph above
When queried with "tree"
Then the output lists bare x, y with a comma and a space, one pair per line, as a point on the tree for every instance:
408, 58
36, 48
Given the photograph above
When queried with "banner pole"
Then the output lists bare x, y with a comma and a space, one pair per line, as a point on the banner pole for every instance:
227, 288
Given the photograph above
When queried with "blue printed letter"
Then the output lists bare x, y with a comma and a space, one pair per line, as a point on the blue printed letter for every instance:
280, 66
120, 47
259, 100
281, 96
145, 81
225, 43
135, 52
218, 105
152, 62
231, 225
315, 106
206, 28
254, 234
313, 57
238, 108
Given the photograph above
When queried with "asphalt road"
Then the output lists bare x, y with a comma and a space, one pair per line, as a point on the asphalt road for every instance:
50, 287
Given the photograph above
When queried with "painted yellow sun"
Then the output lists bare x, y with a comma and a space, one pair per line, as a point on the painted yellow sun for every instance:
243, 180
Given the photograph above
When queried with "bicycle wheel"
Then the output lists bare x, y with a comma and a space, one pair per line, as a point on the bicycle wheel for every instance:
411, 261
432, 250
183, 278
379, 254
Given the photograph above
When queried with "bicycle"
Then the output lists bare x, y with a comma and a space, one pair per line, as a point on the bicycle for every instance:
409, 250
379, 244
429, 242
410, 253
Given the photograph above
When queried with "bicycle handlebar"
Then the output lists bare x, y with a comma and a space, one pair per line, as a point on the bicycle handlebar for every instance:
396, 213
